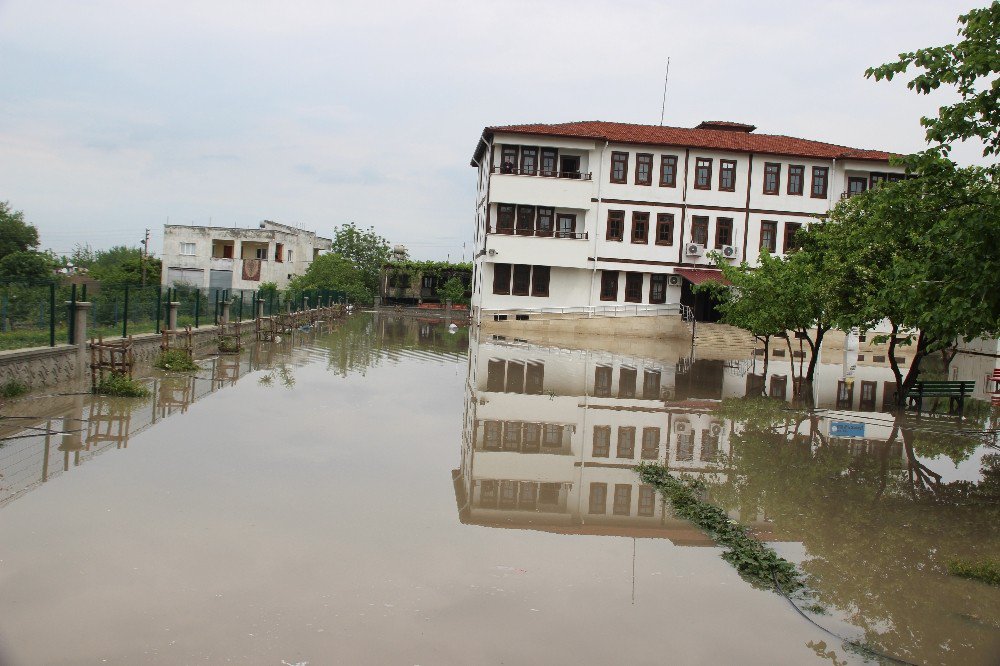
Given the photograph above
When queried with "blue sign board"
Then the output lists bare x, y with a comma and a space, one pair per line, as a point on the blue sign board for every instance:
846, 429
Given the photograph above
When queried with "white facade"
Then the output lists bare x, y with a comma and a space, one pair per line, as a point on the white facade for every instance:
230, 258
546, 200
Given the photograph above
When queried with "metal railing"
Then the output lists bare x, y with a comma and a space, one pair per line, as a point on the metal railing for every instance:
38, 314
544, 173
541, 233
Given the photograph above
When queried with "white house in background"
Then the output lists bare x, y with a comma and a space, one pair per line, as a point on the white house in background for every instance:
234, 258
599, 213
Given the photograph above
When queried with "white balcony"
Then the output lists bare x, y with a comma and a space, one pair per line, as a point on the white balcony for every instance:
570, 251
542, 190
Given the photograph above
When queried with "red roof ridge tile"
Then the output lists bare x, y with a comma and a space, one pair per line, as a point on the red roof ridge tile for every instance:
691, 137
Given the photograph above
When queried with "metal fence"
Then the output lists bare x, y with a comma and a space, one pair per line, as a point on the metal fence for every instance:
37, 314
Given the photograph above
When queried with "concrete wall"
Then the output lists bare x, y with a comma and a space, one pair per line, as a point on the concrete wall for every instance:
39, 367
543, 327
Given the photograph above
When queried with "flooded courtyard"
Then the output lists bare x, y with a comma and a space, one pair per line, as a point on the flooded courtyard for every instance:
386, 491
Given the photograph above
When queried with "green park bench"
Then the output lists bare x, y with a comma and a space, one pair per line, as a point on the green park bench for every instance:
955, 391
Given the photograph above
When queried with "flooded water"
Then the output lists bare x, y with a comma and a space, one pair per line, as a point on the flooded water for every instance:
389, 492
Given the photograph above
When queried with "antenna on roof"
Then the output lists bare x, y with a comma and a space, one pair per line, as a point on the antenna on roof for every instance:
666, 78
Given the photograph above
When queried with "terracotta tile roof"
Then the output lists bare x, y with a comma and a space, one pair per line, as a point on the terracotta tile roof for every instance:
699, 275
736, 138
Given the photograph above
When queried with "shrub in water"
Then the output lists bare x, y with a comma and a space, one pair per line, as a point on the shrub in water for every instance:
12, 388
228, 345
755, 561
987, 571
176, 360
120, 385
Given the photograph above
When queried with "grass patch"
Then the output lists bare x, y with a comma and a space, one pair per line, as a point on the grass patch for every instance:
13, 388
176, 360
986, 571
228, 344
122, 386
756, 562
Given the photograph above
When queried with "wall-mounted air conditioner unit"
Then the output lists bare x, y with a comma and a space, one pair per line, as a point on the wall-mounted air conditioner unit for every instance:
715, 429
674, 280
729, 251
694, 250
681, 427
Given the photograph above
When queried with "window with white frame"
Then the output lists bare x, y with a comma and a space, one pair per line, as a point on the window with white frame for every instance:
188, 249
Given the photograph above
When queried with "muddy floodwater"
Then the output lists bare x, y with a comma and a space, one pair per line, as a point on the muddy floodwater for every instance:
385, 491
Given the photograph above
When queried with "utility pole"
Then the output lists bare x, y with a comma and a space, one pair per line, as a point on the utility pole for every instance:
145, 256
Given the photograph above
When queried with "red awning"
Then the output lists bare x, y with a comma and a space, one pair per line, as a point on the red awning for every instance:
699, 275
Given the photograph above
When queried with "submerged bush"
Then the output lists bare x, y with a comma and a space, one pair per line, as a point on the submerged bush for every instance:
986, 571
176, 360
122, 386
229, 344
756, 562
13, 388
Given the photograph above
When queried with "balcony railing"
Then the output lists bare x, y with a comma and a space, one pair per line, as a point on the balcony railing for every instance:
514, 171
541, 233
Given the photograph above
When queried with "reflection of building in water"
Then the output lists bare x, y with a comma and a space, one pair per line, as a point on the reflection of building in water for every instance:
873, 387
551, 438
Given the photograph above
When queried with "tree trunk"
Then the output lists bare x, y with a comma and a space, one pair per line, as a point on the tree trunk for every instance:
814, 348
892, 362
923, 343
791, 358
767, 356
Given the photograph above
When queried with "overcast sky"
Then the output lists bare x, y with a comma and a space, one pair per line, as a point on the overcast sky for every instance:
119, 115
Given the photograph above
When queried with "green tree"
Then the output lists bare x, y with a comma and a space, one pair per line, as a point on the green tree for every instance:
366, 250
970, 66
331, 271
122, 265
16, 235
26, 266
83, 256
778, 295
453, 290
921, 253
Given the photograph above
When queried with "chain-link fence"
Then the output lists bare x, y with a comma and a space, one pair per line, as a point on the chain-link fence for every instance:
37, 314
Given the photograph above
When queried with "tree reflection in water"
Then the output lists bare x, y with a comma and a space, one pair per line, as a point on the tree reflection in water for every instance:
878, 523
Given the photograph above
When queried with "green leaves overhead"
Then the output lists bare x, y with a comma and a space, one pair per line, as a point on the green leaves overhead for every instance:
969, 66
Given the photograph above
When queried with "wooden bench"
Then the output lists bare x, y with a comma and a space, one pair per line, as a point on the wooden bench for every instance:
955, 391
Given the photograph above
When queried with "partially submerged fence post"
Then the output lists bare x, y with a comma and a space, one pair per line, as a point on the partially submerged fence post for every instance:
52, 314
71, 318
172, 315
159, 306
78, 314
125, 315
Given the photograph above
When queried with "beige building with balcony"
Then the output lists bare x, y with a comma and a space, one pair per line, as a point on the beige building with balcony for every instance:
235, 258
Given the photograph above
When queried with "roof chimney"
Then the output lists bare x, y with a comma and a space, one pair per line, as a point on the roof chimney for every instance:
725, 126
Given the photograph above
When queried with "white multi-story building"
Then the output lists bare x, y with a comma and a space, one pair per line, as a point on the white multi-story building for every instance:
234, 258
588, 214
